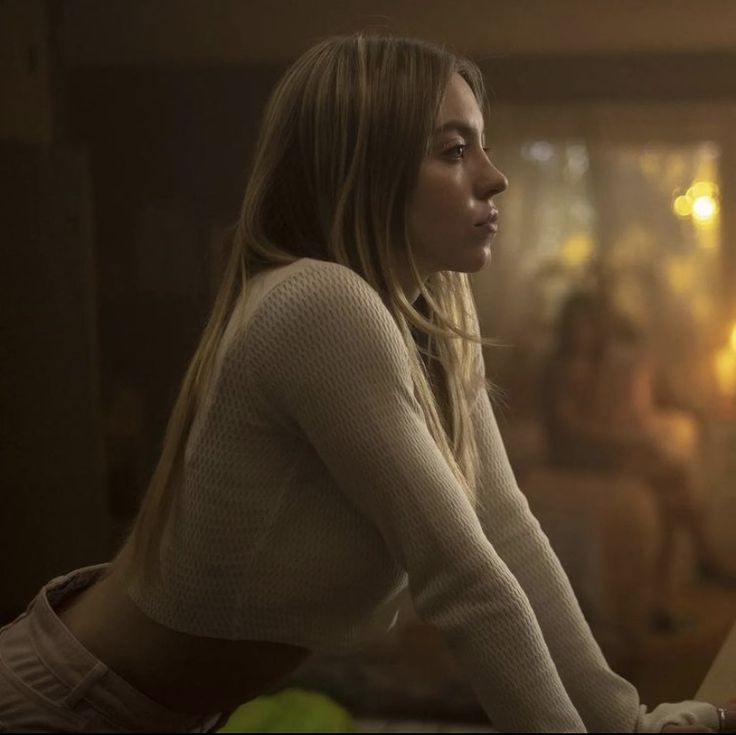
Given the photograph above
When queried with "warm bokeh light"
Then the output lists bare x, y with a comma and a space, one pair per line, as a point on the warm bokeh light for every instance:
725, 364
577, 249
703, 189
682, 206
704, 208
726, 372
700, 202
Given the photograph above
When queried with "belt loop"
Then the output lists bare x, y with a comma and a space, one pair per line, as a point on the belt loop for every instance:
84, 685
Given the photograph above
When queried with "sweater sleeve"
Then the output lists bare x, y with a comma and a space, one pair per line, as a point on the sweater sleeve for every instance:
605, 701
328, 359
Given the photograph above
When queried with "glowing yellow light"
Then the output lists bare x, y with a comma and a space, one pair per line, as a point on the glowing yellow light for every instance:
725, 365
703, 189
577, 249
704, 208
682, 206
700, 202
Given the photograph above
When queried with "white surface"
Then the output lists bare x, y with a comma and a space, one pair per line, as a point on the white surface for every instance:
719, 684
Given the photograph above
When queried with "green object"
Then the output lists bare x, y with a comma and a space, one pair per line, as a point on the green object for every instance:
291, 710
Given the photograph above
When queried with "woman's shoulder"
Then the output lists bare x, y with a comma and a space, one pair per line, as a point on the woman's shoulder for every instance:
321, 287
337, 274
322, 323
298, 304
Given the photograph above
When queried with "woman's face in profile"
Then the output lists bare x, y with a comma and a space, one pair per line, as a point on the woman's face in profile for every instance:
452, 215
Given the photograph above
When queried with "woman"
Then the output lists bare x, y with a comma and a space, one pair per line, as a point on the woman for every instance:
601, 415
313, 467
569, 388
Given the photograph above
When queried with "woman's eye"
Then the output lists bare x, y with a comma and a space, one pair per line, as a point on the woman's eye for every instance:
457, 151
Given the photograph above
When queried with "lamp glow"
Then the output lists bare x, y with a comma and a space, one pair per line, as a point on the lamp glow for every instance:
682, 206
704, 208
725, 365
577, 249
700, 202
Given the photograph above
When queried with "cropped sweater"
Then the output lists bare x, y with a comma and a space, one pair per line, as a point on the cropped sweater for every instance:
313, 494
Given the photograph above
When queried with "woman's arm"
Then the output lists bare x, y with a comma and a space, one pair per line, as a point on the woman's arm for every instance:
606, 701
326, 356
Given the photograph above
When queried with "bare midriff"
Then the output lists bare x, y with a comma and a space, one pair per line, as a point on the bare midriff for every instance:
184, 673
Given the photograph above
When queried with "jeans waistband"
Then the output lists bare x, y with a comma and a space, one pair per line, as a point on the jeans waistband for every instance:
80, 670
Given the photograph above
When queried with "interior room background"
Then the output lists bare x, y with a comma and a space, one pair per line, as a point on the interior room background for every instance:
125, 135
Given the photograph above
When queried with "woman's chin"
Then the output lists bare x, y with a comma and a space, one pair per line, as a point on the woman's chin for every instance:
471, 260
478, 259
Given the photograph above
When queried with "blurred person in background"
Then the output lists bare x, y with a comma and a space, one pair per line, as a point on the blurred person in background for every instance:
601, 414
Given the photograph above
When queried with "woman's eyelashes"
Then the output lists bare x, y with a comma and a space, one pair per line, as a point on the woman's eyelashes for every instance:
457, 151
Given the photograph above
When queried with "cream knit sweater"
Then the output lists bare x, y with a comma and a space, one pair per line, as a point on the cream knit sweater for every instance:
314, 494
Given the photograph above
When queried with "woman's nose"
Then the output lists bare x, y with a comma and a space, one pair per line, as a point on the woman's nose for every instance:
492, 183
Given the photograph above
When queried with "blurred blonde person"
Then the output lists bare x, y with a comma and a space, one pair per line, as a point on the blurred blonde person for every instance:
601, 415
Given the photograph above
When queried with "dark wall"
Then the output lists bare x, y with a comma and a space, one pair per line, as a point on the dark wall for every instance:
652, 77
53, 509
169, 151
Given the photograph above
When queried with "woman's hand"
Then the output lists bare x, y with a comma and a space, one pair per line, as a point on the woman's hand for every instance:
730, 724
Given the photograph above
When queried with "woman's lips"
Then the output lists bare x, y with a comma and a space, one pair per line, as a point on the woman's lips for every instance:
490, 223
488, 226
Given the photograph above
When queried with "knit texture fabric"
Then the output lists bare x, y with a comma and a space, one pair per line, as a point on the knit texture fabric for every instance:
314, 494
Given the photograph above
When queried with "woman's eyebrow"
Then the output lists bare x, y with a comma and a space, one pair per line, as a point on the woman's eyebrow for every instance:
461, 126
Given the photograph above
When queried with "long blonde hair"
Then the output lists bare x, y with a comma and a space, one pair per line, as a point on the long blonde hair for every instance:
337, 159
